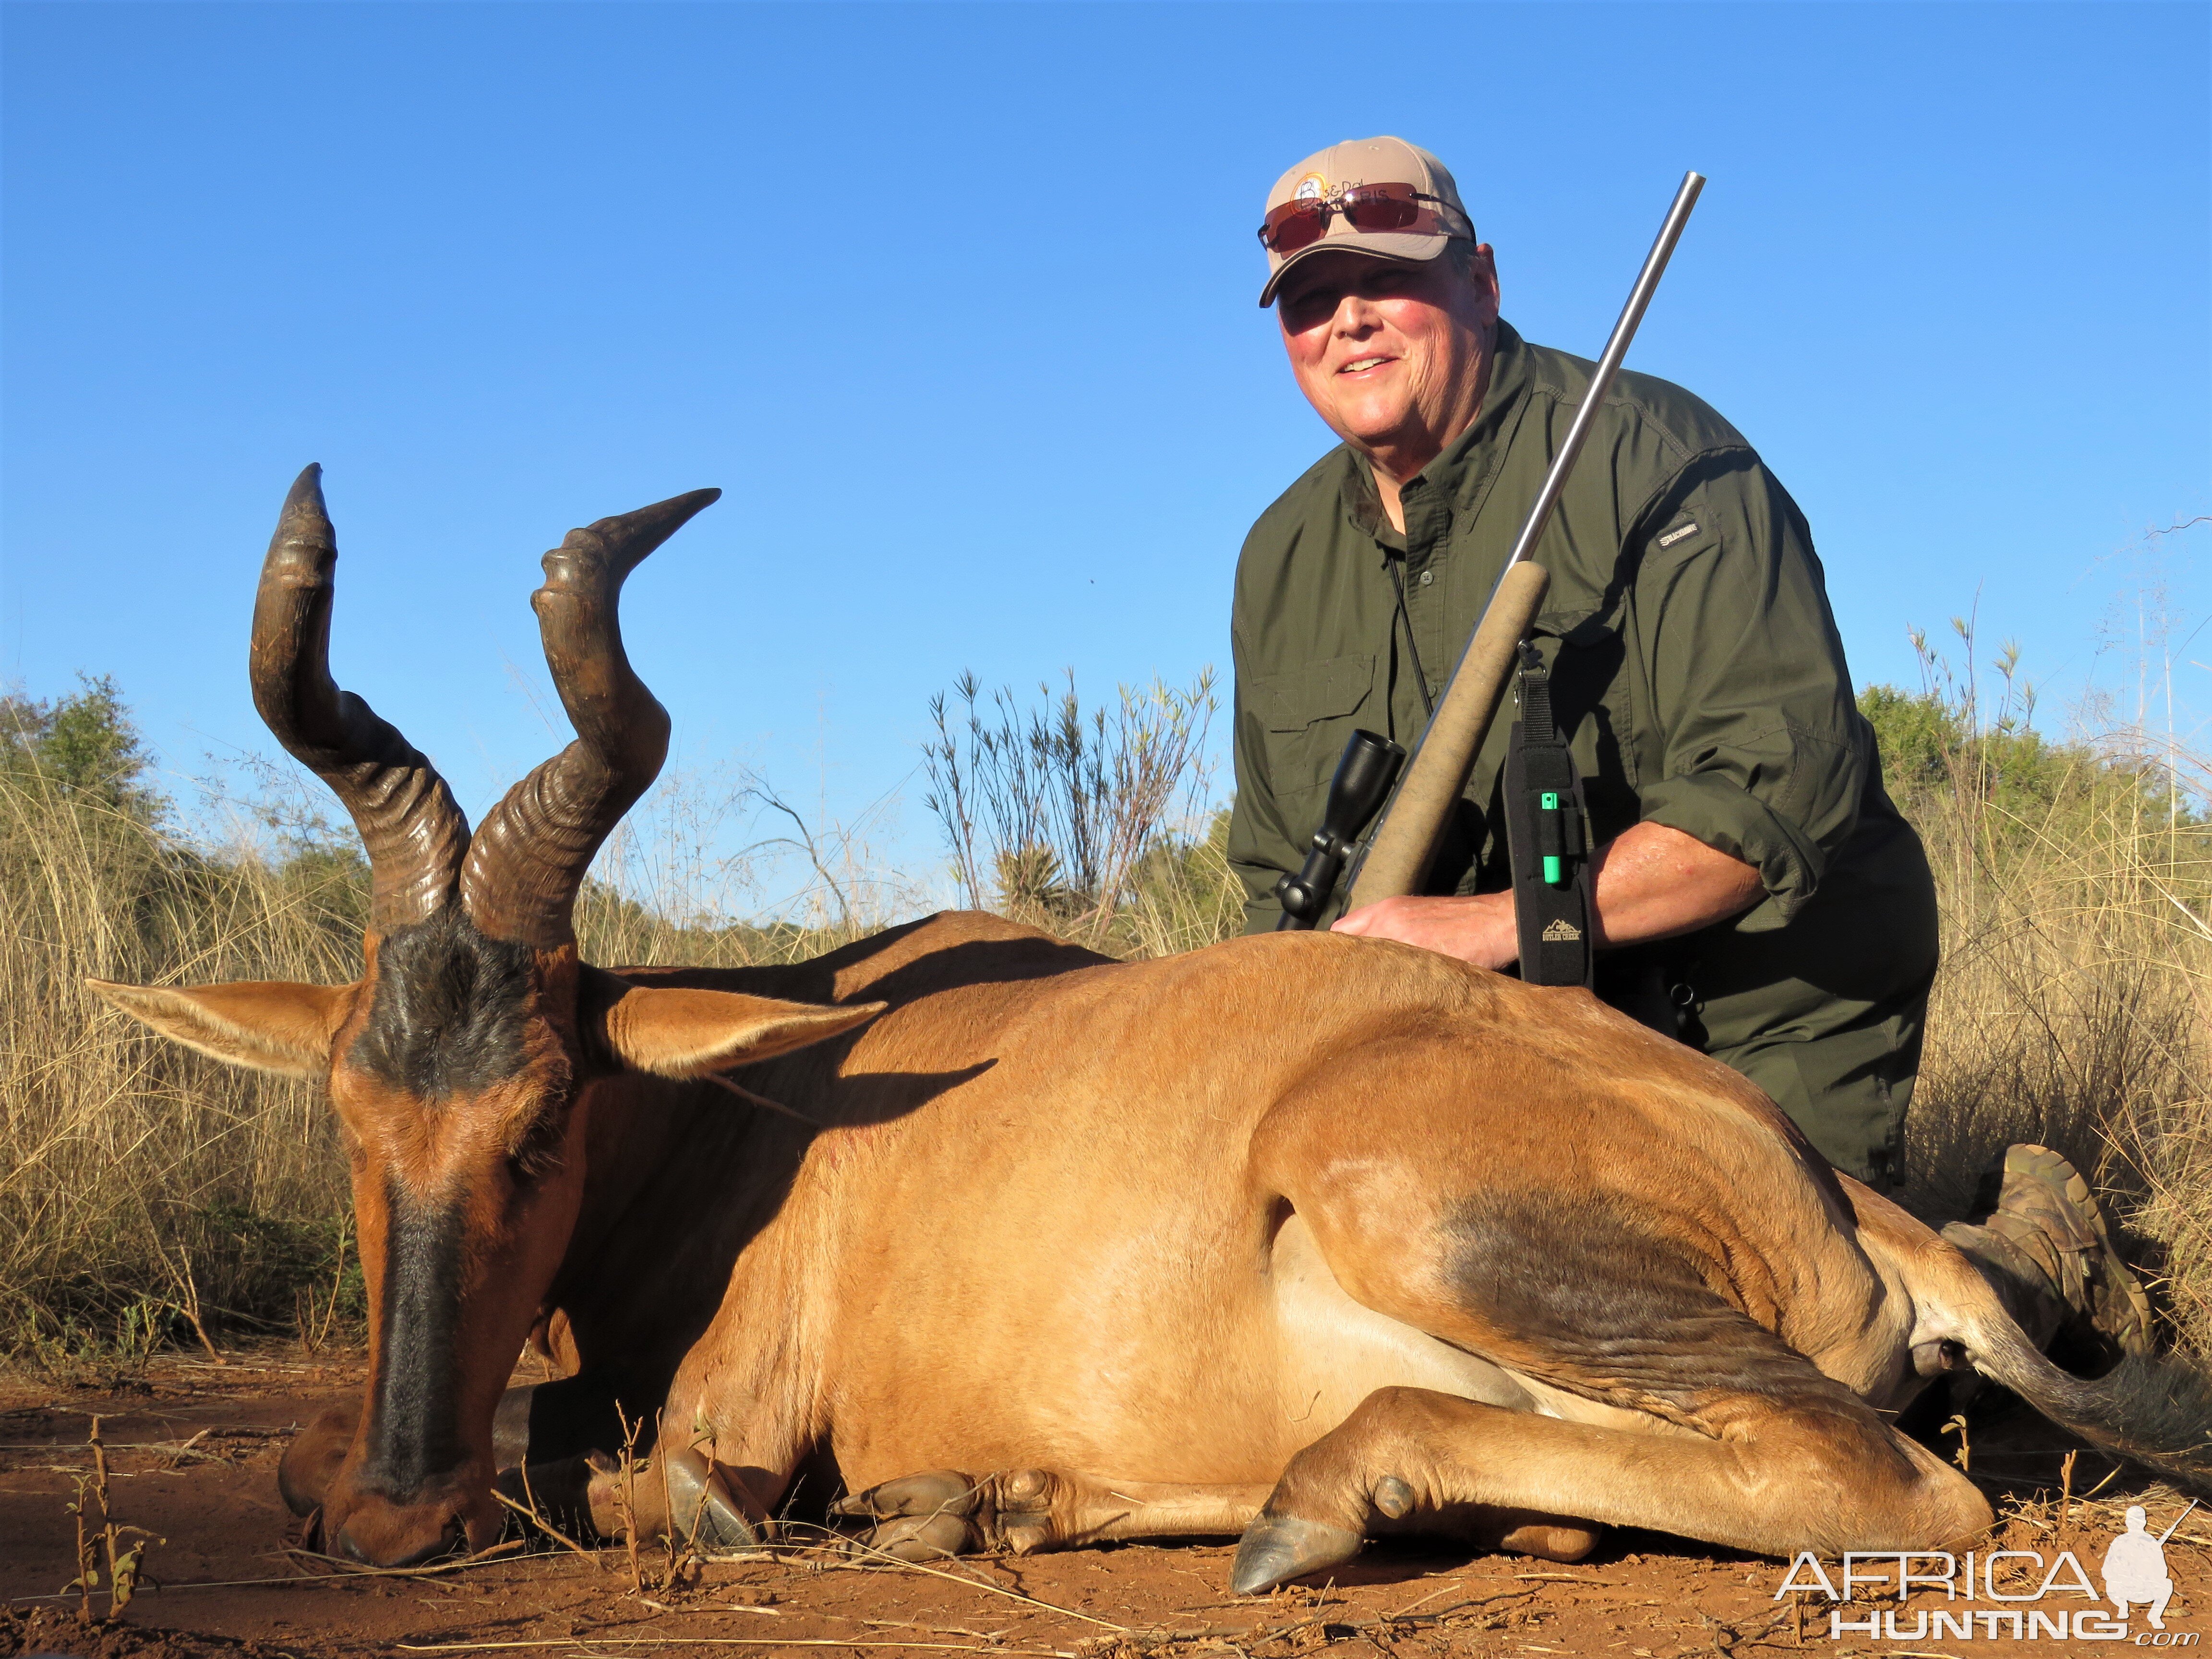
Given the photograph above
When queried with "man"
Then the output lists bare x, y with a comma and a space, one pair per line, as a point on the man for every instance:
1756, 892
2135, 1570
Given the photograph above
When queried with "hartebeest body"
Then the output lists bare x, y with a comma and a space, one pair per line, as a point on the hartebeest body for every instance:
1302, 1236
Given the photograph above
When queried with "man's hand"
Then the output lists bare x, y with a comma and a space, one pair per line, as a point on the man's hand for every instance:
1478, 928
1652, 883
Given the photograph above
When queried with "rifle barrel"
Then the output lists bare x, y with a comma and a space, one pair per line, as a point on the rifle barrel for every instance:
2177, 1520
1608, 365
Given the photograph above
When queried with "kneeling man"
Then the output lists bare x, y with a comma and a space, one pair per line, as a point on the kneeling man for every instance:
1757, 895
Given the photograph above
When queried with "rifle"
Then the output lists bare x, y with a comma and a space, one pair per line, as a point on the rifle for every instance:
1394, 858
2177, 1520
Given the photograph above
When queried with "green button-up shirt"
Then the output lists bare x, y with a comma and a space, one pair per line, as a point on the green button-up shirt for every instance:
1695, 664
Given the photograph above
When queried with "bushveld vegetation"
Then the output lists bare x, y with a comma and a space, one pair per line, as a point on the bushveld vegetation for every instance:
147, 1196
2075, 1002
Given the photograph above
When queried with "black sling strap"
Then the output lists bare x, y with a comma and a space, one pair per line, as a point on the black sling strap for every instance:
1548, 835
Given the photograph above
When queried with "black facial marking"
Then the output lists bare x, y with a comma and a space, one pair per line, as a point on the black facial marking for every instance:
448, 1013
413, 1428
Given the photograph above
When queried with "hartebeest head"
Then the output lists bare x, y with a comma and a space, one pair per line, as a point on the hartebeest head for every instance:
459, 1062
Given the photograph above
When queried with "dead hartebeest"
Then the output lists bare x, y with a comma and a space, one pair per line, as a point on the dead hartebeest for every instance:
1302, 1236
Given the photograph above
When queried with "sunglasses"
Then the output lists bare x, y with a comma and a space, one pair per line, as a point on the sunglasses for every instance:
1367, 208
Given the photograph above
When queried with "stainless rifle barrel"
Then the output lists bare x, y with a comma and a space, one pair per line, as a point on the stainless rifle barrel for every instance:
1616, 348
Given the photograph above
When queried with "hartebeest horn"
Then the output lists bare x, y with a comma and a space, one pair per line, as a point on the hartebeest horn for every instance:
523, 870
414, 831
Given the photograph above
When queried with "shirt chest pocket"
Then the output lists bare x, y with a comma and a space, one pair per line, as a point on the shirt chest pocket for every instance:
1593, 705
1308, 714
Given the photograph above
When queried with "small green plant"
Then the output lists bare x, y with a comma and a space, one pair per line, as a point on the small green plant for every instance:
143, 1327
104, 1544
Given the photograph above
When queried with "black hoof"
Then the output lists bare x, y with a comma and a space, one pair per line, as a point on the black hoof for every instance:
700, 1510
923, 1538
941, 1491
1277, 1548
555, 1495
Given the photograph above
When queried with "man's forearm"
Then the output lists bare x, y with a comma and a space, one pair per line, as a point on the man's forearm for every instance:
1653, 882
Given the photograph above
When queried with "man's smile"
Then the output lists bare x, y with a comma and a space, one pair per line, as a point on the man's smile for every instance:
1361, 365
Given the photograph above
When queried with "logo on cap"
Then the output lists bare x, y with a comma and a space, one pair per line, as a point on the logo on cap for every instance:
1310, 188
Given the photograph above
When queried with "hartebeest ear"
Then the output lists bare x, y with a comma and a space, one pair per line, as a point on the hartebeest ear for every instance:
270, 1026
675, 1032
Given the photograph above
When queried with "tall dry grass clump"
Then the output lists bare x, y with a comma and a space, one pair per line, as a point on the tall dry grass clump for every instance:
679, 877
2074, 1007
1095, 824
144, 1189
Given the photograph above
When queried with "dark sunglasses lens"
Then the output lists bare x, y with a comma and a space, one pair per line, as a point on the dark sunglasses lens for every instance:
1381, 207
1295, 225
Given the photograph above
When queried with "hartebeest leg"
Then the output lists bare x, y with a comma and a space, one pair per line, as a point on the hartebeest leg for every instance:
679, 1493
1025, 1510
311, 1462
945, 1512
1773, 1477
542, 1422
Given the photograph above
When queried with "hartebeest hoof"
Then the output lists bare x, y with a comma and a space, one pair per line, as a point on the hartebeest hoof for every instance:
555, 1494
923, 1538
680, 1494
922, 1517
945, 1512
701, 1507
1277, 1548
311, 1462
1547, 1537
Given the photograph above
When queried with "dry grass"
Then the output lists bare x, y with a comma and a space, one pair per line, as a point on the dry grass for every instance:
139, 1183
143, 1188
2074, 1003
1096, 823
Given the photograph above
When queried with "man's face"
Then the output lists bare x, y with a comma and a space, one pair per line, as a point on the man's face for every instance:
1390, 354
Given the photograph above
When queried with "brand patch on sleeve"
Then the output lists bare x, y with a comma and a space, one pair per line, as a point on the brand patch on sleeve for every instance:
1676, 534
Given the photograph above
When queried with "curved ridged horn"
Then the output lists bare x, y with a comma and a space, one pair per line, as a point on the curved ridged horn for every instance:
410, 825
529, 858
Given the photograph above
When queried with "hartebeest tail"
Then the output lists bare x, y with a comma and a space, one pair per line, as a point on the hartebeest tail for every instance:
2152, 1409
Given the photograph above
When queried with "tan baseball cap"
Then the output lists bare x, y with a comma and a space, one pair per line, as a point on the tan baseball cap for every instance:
1322, 175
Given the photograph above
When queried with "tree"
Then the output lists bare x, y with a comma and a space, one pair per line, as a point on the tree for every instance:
86, 743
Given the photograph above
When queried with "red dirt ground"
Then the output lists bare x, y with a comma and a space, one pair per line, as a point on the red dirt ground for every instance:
193, 1447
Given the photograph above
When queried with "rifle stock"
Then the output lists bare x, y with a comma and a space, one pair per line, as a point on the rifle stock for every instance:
1405, 843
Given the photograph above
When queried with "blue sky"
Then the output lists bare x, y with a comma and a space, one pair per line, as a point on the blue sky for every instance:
956, 304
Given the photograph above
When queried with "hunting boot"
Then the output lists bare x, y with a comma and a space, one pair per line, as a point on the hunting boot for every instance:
2040, 1240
